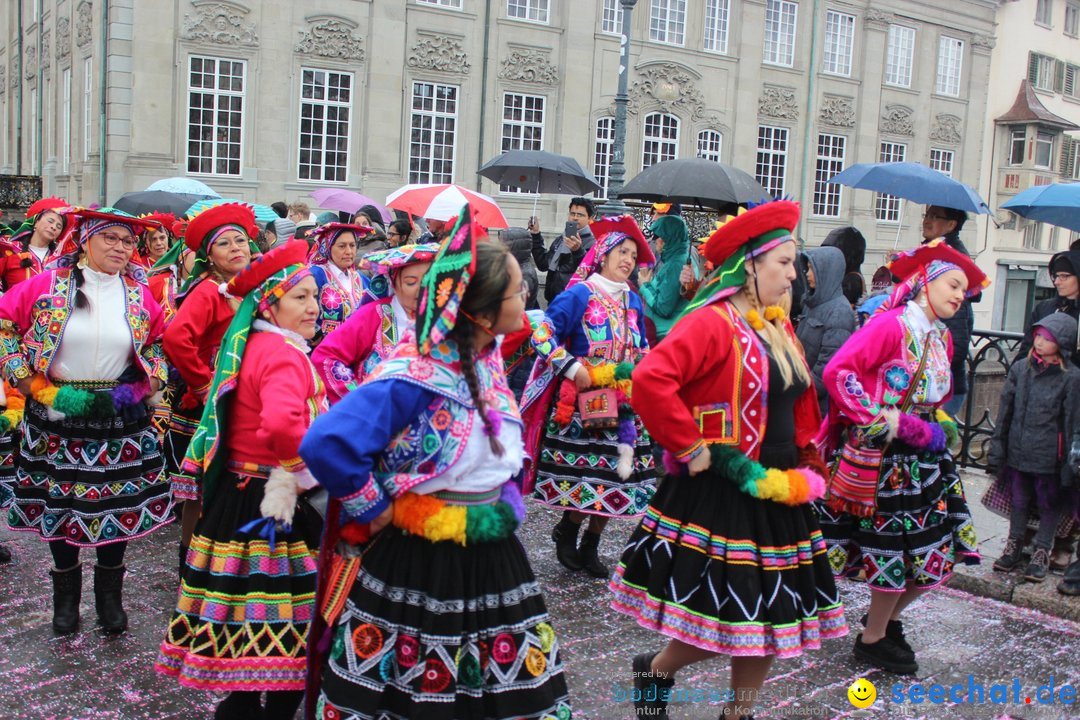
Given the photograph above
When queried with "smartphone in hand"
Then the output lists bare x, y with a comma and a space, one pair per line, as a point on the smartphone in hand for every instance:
571, 229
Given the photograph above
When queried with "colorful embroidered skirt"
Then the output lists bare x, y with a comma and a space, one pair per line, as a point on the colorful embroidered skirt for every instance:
577, 470
921, 527
8, 448
726, 572
242, 615
89, 481
442, 631
182, 425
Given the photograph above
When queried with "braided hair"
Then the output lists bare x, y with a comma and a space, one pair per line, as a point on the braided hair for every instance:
484, 296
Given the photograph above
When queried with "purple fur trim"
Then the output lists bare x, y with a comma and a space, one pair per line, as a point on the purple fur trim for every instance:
494, 423
511, 495
627, 432
129, 394
913, 431
672, 465
937, 438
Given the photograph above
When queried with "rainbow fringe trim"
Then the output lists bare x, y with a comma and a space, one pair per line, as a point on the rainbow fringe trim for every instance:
101, 402
797, 486
437, 520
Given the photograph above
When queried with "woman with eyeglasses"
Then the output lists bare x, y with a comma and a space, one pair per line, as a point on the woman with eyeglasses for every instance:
398, 233
220, 239
82, 343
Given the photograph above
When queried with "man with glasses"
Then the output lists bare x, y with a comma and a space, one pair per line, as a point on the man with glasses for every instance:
566, 251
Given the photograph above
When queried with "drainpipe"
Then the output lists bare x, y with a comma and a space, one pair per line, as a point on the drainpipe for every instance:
19, 95
41, 87
103, 118
483, 88
808, 121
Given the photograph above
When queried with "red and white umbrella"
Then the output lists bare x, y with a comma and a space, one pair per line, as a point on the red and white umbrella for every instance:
444, 201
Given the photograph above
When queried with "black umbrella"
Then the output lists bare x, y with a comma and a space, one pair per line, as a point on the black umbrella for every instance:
695, 181
540, 171
150, 201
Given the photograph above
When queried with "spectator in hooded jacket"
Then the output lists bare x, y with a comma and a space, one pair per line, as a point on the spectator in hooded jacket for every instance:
1065, 272
852, 243
661, 288
519, 242
828, 320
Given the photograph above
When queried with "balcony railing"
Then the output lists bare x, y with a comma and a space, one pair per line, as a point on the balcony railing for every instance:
989, 357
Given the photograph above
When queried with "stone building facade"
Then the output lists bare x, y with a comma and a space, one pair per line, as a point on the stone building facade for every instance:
269, 99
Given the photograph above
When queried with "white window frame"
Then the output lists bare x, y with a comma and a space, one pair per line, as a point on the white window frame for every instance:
717, 24
1072, 19
603, 152
522, 130
611, 17
1069, 86
943, 160
657, 144
452, 4
88, 106
950, 66
667, 22
1043, 139
831, 157
1032, 235
535, 11
781, 27
1044, 13
437, 126
839, 43
65, 121
710, 144
900, 56
887, 207
1044, 72
770, 166
1076, 161
326, 105
218, 94
1017, 134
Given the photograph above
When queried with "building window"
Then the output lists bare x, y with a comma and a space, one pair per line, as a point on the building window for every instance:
899, 56
667, 21
605, 141
1069, 84
839, 42
522, 126
1041, 71
779, 32
1033, 235
942, 160
65, 122
830, 162
325, 115
432, 133
887, 207
661, 139
1044, 12
709, 145
215, 115
950, 61
717, 13
534, 10
1072, 19
770, 168
1075, 148
455, 4
611, 21
88, 106
1016, 146
1044, 150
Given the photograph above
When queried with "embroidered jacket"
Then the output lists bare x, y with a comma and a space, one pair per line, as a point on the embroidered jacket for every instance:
34, 313
194, 336
717, 368
408, 423
345, 357
17, 265
336, 303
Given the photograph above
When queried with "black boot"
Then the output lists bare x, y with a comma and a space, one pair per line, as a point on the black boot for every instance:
1010, 558
565, 537
183, 560
5, 554
1039, 565
887, 655
67, 591
590, 559
108, 591
895, 632
652, 700
1070, 584
239, 706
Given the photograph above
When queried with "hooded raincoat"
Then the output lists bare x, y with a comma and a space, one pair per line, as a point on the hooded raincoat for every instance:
828, 320
663, 296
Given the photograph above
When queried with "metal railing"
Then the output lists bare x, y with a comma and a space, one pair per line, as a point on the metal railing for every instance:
989, 357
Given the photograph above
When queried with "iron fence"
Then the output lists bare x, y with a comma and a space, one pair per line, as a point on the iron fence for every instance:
989, 357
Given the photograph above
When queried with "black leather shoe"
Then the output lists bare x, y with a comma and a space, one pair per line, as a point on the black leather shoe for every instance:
5, 554
564, 535
652, 698
1010, 558
589, 553
895, 632
67, 591
887, 655
1039, 566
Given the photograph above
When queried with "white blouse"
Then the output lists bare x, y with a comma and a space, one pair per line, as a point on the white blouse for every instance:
96, 344
478, 469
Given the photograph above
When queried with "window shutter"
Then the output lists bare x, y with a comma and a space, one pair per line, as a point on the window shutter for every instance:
1033, 68
1059, 76
1068, 156
1070, 81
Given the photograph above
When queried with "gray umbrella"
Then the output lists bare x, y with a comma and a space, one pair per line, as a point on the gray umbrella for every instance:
540, 171
695, 181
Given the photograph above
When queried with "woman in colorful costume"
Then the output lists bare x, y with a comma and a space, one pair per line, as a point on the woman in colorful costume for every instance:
31, 247
82, 342
333, 260
247, 593
905, 522
372, 332
156, 240
220, 239
729, 558
592, 336
443, 619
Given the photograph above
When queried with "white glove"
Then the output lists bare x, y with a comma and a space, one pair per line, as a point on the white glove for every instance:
279, 496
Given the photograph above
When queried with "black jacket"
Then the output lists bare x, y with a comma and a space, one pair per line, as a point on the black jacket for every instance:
568, 262
1053, 305
961, 326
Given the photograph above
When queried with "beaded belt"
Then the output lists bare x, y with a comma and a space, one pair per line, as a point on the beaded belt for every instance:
464, 518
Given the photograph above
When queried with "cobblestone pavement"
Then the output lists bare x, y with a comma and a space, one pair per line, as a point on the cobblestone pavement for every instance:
955, 635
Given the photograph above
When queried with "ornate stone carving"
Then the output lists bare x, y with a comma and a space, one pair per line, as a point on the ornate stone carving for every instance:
946, 129
897, 120
669, 86
330, 37
440, 53
529, 66
84, 24
778, 102
837, 110
879, 18
63, 38
219, 23
983, 41
30, 62
46, 58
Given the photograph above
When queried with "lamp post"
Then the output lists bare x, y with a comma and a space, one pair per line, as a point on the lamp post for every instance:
613, 205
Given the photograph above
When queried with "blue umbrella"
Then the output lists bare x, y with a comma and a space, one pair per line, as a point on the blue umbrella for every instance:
191, 186
1057, 204
914, 182
262, 213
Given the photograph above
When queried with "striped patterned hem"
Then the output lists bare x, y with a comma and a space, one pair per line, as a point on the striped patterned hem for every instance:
228, 674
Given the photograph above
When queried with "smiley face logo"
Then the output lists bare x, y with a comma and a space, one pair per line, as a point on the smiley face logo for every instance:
862, 693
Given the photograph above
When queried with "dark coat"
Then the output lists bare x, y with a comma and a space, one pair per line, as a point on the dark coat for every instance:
568, 262
1071, 259
519, 243
828, 320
